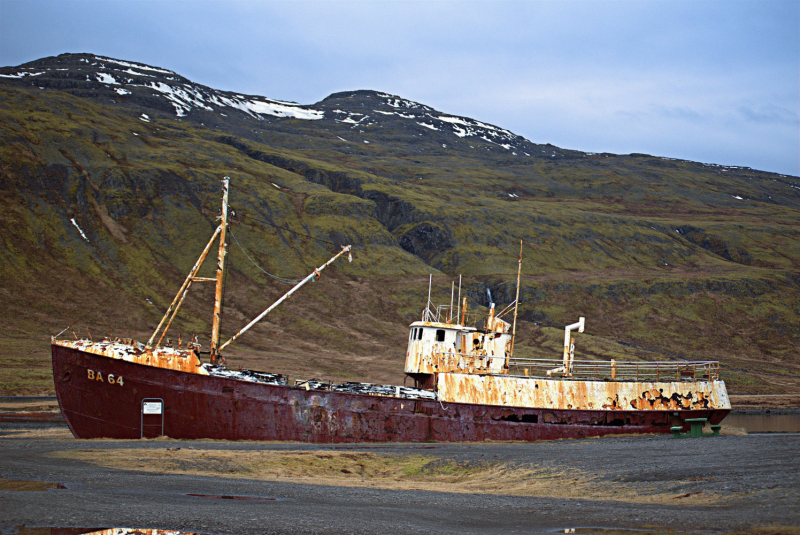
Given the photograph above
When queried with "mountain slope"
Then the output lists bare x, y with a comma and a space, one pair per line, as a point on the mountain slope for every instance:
110, 185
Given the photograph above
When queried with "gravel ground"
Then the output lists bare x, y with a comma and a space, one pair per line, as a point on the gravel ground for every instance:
753, 479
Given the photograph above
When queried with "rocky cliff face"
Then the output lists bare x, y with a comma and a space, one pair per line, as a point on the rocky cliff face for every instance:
110, 187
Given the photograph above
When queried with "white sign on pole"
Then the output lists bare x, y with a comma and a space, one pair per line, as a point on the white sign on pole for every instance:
151, 407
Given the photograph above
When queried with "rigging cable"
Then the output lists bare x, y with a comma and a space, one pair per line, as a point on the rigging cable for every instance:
277, 278
245, 221
113, 294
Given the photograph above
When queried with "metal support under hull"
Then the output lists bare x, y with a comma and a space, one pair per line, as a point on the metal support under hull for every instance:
201, 406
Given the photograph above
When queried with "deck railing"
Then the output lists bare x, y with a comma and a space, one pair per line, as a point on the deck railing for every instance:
597, 370
434, 314
447, 314
601, 370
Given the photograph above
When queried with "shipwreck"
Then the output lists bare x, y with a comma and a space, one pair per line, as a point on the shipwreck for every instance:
468, 385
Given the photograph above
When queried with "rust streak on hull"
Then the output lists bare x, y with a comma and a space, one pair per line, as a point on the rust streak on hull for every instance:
203, 406
582, 394
181, 360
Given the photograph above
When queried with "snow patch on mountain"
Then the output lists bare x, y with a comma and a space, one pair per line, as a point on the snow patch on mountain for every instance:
397, 102
187, 97
22, 74
135, 73
256, 108
459, 126
105, 78
182, 98
472, 124
403, 115
79, 229
134, 65
352, 120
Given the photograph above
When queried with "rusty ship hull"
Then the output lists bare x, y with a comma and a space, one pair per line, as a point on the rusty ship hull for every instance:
94, 405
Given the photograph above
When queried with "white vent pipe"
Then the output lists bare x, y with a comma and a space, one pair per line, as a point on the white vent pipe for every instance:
579, 326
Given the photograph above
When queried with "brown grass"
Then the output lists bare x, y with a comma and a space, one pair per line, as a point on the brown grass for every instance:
29, 406
26, 485
54, 433
729, 430
764, 401
386, 471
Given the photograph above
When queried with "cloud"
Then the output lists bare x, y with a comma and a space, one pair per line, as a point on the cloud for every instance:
684, 113
770, 114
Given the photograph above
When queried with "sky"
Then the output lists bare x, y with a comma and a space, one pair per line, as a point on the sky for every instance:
708, 81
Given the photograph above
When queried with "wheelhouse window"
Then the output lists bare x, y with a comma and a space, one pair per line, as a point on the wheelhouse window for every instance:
440, 335
419, 333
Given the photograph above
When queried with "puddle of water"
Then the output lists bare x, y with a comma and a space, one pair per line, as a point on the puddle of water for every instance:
393, 447
611, 531
24, 530
136, 531
231, 497
764, 423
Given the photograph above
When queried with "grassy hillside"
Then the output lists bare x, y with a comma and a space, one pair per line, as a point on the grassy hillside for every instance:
666, 259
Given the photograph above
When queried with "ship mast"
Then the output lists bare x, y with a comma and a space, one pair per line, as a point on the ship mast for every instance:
516, 306
173, 309
223, 249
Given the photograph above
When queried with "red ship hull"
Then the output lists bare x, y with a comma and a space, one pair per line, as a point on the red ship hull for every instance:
202, 406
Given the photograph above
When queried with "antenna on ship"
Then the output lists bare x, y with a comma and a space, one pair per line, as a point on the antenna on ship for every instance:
516, 306
427, 314
459, 300
452, 291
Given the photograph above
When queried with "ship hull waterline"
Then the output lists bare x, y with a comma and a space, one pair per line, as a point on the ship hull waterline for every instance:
210, 407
